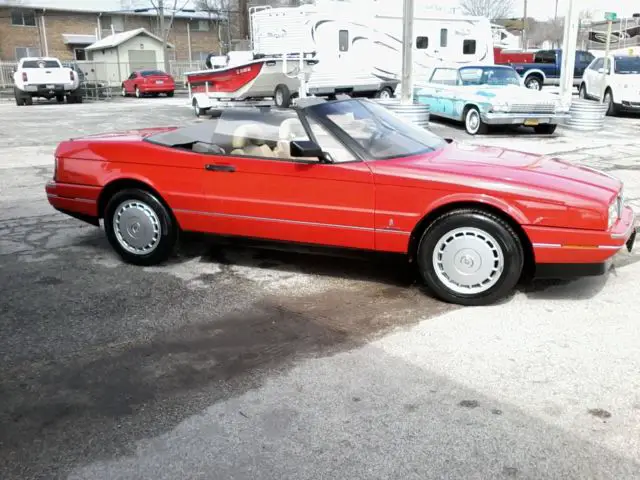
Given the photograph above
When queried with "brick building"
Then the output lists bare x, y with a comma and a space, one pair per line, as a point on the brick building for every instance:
63, 28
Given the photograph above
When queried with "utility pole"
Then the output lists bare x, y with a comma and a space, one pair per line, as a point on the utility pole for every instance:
406, 97
163, 34
524, 27
555, 25
606, 66
568, 64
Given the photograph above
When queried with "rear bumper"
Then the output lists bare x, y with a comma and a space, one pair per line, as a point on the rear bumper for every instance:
166, 87
496, 118
567, 252
49, 89
78, 201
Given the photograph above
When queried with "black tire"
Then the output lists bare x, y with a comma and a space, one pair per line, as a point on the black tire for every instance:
168, 228
534, 82
481, 128
198, 112
545, 129
60, 98
19, 101
489, 225
27, 100
582, 92
613, 108
170, 94
138, 93
282, 96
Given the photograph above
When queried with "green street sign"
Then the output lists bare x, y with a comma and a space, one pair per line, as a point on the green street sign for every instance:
610, 16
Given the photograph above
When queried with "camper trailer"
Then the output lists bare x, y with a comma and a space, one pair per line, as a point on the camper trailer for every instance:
359, 43
356, 47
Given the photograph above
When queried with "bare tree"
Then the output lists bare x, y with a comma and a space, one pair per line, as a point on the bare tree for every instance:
164, 10
221, 9
492, 9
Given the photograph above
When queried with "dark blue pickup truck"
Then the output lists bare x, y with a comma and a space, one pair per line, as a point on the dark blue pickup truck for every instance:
546, 66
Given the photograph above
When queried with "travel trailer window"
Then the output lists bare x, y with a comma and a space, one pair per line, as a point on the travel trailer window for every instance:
343, 40
443, 37
422, 43
469, 47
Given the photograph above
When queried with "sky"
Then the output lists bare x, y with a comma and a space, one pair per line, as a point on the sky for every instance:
543, 9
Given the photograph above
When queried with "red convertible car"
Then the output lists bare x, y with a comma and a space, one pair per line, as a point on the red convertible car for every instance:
348, 173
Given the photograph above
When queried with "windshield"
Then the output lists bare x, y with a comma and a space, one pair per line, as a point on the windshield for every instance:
152, 73
627, 65
380, 133
489, 76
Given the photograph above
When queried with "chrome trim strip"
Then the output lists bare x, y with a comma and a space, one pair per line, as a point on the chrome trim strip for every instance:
75, 199
547, 245
579, 247
295, 222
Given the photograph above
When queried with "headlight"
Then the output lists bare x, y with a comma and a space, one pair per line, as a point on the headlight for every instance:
613, 214
500, 107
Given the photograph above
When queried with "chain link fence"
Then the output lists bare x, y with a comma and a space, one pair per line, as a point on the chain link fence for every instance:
102, 80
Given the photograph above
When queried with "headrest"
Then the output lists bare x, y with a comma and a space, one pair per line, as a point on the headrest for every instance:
249, 134
291, 129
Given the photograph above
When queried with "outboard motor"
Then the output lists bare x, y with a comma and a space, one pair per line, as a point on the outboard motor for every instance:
214, 61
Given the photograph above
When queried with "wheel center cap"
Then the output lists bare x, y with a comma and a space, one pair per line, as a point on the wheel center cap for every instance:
467, 261
134, 228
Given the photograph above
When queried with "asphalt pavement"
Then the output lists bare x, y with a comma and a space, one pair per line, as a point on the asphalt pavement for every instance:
237, 363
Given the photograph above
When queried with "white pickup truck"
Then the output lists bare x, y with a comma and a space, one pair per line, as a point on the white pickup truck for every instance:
45, 77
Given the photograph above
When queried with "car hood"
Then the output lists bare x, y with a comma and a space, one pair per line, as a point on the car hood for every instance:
510, 172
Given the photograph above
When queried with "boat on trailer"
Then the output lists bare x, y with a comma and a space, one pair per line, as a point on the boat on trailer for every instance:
280, 78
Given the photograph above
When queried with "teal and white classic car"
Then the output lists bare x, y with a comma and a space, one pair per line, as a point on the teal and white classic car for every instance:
486, 95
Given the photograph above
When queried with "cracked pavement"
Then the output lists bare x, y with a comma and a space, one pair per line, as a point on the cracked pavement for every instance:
231, 362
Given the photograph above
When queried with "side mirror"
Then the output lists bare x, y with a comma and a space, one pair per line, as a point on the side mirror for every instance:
306, 149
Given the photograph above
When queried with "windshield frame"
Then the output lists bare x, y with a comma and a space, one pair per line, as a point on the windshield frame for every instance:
361, 152
489, 67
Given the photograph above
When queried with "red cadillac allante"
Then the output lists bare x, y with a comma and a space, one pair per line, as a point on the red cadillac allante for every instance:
349, 174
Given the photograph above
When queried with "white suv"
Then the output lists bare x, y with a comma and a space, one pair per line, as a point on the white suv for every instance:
620, 85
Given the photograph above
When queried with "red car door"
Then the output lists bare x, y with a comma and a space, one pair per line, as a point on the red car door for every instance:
261, 192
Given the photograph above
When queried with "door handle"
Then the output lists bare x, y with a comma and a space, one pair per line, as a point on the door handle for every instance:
213, 167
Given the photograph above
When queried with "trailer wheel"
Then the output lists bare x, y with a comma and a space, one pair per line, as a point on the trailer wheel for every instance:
196, 108
384, 93
282, 96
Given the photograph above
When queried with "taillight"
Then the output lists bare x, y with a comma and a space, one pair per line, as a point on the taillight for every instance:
24, 77
55, 169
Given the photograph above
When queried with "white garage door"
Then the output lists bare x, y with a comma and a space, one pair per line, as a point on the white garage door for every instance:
142, 60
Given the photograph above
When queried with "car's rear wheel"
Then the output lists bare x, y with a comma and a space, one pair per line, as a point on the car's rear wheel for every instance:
60, 98
384, 93
582, 93
139, 227
533, 82
473, 123
124, 91
470, 257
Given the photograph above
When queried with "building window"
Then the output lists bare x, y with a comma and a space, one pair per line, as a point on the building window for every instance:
107, 21
443, 37
22, 52
23, 18
200, 26
343, 40
79, 54
199, 56
422, 43
469, 47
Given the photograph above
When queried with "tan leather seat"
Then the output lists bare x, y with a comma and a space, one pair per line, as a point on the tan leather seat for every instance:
290, 129
249, 140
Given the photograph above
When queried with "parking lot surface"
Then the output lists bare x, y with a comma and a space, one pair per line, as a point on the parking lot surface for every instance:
236, 363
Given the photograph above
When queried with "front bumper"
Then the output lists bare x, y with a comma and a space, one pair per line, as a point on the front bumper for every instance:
500, 118
586, 249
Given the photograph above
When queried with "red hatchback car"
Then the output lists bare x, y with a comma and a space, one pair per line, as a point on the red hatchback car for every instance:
348, 174
148, 82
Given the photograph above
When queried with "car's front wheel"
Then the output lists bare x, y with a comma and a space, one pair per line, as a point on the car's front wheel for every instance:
139, 227
470, 257
473, 123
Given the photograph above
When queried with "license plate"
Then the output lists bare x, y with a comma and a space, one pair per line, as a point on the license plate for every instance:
631, 241
531, 122
51, 86
159, 82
